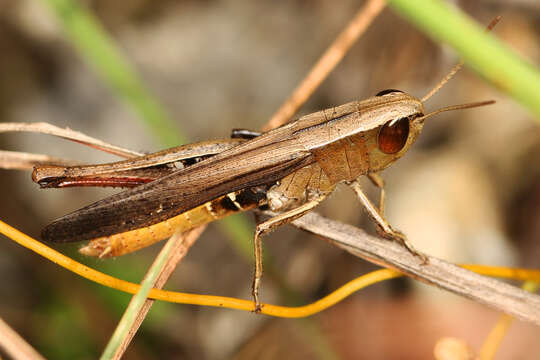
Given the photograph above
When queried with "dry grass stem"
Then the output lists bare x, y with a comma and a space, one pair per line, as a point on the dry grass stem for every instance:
15, 346
181, 246
327, 62
16, 160
496, 294
72, 135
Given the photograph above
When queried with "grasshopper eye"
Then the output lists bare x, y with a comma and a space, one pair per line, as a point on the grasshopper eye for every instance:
388, 91
393, 138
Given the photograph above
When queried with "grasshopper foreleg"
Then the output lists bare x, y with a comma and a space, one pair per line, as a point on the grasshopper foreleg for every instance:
383, 227
378, 181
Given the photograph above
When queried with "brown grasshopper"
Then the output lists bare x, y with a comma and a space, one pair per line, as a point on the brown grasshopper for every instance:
290, 169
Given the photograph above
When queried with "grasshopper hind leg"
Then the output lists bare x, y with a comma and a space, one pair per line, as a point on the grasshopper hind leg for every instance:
291, 197
268, 226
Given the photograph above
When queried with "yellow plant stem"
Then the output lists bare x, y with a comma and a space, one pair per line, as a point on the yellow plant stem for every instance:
234, 303
496, 335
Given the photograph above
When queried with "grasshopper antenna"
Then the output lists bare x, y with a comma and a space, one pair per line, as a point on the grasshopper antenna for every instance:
457, 67
455, 107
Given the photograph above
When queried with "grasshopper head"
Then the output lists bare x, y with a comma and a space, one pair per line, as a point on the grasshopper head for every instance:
396, 136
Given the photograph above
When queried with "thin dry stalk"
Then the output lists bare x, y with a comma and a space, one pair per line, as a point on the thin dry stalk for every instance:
180, 248
16, 160
15, 346
496, 294
327, 62
72, 135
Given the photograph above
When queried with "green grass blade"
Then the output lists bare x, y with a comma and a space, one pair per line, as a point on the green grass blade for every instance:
484, 53
99, 50
137, 302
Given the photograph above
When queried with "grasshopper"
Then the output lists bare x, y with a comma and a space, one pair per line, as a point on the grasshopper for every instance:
290, 170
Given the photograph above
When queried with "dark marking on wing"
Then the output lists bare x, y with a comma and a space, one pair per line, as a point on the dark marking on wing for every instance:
228, 204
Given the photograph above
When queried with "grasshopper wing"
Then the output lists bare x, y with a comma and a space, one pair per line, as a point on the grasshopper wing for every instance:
263, 160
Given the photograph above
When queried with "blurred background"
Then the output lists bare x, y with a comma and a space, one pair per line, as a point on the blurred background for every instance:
469, 191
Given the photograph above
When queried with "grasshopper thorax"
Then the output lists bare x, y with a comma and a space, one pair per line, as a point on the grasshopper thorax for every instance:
365, 136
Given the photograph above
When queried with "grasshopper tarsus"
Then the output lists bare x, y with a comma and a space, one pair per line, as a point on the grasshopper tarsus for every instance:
257, 306
401, 238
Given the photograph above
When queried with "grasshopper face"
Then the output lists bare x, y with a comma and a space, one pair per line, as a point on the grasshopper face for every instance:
392, 140
400, 127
